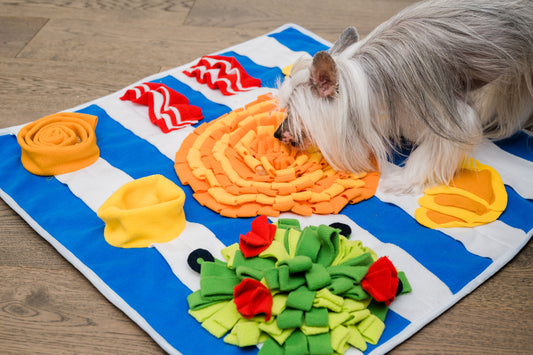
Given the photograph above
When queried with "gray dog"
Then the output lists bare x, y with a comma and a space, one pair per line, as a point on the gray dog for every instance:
442, 75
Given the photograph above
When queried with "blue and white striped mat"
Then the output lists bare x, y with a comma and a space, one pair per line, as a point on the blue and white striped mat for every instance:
442, 266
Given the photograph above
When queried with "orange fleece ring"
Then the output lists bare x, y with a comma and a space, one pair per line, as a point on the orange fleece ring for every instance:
59, 143
238, 169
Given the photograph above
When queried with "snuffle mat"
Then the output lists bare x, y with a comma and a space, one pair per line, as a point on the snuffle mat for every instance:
179, 206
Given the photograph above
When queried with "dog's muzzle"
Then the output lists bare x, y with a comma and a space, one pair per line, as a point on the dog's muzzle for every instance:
284, 136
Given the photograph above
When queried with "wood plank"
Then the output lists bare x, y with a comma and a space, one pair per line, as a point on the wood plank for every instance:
60, 312
142, 42
44, 95
79, 71
83, 9
16, 32
31, 88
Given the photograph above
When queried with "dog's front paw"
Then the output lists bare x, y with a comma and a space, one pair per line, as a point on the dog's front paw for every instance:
394, 180
399, 187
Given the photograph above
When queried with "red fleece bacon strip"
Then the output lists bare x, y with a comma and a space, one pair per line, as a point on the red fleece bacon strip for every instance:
223, 73
167, 108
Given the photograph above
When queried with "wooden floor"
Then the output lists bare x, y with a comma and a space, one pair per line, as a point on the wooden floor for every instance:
54, 57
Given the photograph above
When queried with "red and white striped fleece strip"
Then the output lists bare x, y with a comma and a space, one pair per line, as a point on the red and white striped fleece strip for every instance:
223, 73
167, 108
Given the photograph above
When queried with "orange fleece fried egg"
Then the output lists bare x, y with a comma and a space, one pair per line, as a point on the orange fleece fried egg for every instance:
238, 169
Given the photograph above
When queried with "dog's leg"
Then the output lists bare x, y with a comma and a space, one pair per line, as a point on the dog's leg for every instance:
505, 107
435, 159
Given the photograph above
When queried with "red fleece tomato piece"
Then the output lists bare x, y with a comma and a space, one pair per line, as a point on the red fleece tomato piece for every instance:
381, 281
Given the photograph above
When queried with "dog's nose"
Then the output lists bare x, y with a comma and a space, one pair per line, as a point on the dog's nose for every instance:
277, 134
284, 136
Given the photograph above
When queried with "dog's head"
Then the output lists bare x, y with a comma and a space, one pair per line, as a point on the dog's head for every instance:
309, 93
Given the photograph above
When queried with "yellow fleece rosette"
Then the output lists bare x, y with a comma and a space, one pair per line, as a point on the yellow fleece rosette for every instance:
59, 143
475, 196
144, 211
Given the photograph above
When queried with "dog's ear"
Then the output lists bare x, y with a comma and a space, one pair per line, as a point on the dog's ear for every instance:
324, 74
348, 37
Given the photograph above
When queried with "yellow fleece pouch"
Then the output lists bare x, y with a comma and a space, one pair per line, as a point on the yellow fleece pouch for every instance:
144, 211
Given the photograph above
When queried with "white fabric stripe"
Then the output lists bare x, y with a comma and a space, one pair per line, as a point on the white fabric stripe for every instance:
13, 130
490, 240
268, 52
95, 183
429, 292
514, 171
177, 251
134, 117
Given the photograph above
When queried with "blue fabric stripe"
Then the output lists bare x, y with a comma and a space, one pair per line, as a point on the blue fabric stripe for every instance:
149, 286
138, 158
268, 76
298, 42
433, 249
394, 325
519, 211
521, 144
